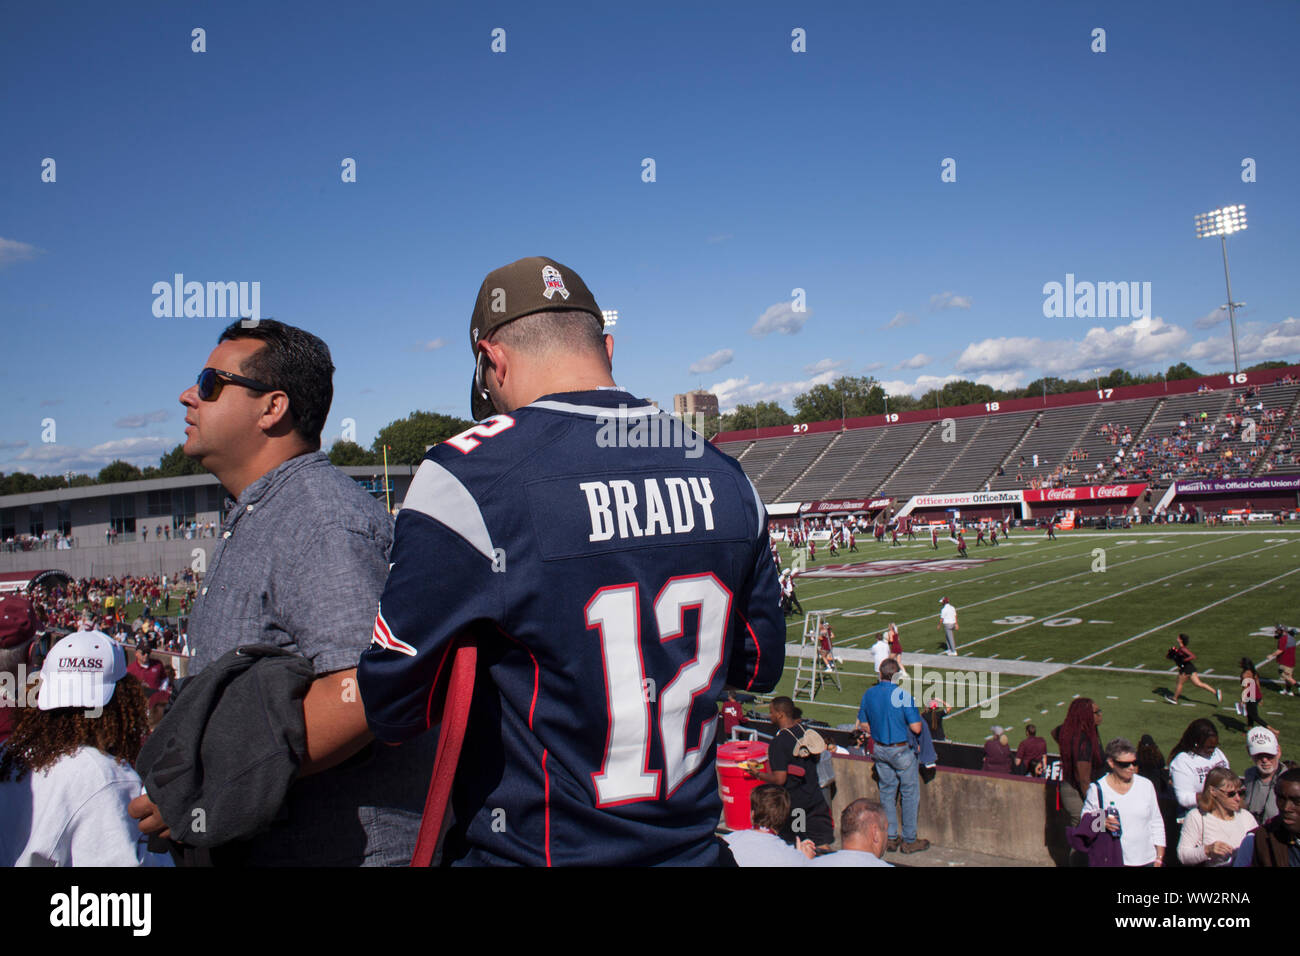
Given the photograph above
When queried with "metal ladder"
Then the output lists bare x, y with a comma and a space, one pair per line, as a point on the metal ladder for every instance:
810, 674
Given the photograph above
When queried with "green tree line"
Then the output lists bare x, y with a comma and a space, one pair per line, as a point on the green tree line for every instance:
854, 397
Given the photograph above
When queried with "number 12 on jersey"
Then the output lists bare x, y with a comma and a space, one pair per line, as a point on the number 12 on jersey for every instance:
615, 613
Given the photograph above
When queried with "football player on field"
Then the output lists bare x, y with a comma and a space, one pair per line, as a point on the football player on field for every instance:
612, 569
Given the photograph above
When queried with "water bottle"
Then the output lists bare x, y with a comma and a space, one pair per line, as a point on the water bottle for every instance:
1112, 813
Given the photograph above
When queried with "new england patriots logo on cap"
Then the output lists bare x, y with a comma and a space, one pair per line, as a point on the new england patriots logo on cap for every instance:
553, 282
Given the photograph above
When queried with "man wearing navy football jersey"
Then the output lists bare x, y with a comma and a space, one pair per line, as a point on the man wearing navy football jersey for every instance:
613, 571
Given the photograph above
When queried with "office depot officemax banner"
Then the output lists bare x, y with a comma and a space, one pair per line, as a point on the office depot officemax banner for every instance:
965, 500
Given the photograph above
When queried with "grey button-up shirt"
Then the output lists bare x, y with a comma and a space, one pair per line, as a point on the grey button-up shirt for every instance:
300, 562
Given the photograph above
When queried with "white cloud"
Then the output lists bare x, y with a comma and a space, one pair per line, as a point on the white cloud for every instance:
711, 363
11, 251
873, 366
739, 391
1003, 381
916, 389
947, 300
57, 458
721, 238
901, 320
139, 421
12, 444
824, 365
46, 402
925, 383
1283, 338
919, 360
430, 346
780, 318
1255, 343
1212, 319
1140, 342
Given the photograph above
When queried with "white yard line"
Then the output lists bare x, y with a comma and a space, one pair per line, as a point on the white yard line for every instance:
887, 578
1184, 617
1137, 637
1115, 594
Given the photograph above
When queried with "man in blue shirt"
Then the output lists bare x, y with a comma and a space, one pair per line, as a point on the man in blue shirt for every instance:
890, 715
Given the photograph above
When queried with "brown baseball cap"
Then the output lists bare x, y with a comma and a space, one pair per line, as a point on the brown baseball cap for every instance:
534, 284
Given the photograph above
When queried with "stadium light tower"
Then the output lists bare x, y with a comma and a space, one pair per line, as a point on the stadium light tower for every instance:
1223, 222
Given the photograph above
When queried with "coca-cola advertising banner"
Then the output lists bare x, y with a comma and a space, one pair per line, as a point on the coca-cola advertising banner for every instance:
1086, 493
859, 504
973, 498
1221, 485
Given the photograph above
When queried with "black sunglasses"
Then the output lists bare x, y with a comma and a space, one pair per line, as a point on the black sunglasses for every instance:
1124, 763
211, 379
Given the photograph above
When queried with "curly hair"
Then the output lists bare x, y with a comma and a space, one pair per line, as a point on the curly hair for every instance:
42, 737
1197, 735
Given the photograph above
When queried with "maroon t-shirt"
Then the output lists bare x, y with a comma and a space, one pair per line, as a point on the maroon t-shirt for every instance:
6, 722
151, 676
1287, 657
997, 756
732, 716
1031, 749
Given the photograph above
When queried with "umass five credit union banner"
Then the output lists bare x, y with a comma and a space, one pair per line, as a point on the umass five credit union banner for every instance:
1221, 485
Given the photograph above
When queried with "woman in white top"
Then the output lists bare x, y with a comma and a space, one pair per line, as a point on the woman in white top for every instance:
1195, 755
65, 773
1213, 831
1136, 820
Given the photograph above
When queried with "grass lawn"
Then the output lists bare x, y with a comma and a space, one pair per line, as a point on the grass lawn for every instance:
1105, 604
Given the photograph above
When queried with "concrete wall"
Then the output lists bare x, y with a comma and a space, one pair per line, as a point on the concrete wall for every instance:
1013, 817
100, 560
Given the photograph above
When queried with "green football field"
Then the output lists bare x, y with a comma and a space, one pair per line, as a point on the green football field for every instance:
1098, 608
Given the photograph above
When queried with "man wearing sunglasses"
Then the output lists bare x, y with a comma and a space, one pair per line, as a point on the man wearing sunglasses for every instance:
299, 563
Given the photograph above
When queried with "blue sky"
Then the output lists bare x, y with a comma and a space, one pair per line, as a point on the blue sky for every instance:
774, 171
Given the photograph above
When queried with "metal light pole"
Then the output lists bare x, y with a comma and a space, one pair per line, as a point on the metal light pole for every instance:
1223, 222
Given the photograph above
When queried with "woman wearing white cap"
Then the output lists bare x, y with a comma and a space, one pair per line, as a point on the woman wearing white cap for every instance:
65, 774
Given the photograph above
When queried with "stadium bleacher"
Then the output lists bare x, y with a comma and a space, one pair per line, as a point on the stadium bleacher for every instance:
872, 469
968, 462
1072, 436
853, 445
793, 461
1058, 431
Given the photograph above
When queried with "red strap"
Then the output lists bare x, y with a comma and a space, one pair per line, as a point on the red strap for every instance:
455, 715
